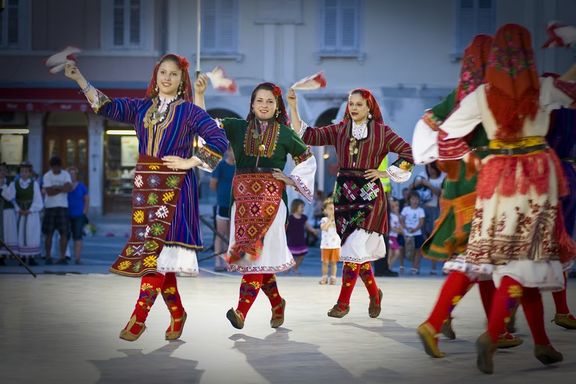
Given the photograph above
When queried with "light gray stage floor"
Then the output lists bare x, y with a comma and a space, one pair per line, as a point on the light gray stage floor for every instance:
64, 329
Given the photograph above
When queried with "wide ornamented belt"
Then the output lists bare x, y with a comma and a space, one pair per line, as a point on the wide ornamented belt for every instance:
351, 172
517, 147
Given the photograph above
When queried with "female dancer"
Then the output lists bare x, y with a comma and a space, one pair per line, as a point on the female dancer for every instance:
516, 231
258, 247
450, 235
361, 141
165, 227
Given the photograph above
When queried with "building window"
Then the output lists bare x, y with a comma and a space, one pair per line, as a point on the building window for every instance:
340, 28
220, 27
127, 24
14, 24
473, 17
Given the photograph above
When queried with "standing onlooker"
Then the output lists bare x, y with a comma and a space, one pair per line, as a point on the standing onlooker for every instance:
412, 219
296, 232
25, 194
78, 204
395, 231
8, 233
433, 182
221, 182
405, 197
56, 184
329, 244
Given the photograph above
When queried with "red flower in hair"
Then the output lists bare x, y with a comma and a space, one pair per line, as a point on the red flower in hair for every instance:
277, 91
184, 63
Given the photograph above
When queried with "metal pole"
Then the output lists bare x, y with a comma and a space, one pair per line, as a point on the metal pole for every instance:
198, 34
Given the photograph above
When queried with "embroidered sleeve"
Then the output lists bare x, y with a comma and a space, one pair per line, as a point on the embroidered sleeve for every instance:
214, 142
303, 156
424, 143
98, 101
209, 158
303, 176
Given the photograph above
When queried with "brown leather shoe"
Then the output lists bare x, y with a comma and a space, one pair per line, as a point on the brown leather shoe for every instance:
547, 354
278, 318
236, 318
375, 306
171, 334
429, 340
565, 320
337, 312
508, 340
485, 349
126, 333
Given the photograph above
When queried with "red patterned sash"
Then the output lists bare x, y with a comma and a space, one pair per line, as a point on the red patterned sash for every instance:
154, 197
257, 197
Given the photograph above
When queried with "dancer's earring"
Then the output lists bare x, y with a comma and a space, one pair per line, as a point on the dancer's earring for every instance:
277, 113
370, 116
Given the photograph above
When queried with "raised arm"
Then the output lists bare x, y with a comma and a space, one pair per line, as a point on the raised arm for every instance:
199, 90
294, 114
120, 109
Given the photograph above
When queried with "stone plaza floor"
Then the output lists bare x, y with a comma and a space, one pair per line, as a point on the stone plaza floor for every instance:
63, 328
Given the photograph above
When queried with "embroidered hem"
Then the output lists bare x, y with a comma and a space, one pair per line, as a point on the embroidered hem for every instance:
210, 158
260, 268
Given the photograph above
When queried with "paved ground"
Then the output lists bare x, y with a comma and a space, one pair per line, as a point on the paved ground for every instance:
62, 327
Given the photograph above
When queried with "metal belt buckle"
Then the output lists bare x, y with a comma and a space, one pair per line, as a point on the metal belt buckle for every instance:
508, 151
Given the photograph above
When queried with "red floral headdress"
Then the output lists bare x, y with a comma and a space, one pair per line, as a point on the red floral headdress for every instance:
183, 64
512, 81
474, 62
372, 105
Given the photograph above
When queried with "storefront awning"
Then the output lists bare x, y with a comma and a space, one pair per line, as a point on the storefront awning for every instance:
54, 99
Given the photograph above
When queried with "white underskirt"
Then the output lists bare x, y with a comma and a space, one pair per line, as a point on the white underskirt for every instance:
362, 246
545, 275
177, 259
275, 256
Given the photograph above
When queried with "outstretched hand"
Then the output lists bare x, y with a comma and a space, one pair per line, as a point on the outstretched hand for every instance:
72, 72
201, 84
292, 98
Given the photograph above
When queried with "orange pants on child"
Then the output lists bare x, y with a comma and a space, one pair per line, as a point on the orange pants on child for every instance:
330, 255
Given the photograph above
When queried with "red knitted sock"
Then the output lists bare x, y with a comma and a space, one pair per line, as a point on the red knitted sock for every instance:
249, 288
349, 276
487, 289
534, 312
367, 276
505, 301
454, 288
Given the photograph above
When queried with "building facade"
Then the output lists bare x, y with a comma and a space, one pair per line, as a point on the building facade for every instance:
407, 53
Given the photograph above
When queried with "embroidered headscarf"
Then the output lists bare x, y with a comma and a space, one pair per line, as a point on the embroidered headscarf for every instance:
185, 87
474, 62
512, 80
372, 105
280, 115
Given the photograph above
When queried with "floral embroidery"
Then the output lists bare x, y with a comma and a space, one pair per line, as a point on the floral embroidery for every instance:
150, 245
150, 261
515, 291
145, 286
511, 58
139, 198
138, 182
162, 212
123, 265
138, 216
153, 181
170, 290
152, 199
167, 197
172, 181
153, 167
157, 229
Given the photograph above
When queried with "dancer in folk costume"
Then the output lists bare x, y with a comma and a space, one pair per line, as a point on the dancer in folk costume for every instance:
8, 226
361, 140
25, 195
516, 231
165, 225
258, 247
562, 139
449, 239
